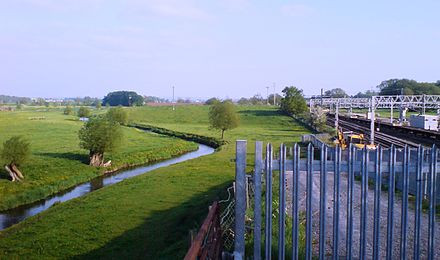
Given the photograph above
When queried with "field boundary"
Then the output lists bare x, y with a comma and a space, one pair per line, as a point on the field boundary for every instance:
209, 141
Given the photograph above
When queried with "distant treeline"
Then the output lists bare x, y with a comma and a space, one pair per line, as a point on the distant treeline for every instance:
392, 87
408, 87
14, 100
84, 101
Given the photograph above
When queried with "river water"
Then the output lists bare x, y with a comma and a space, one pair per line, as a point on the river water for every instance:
13, 216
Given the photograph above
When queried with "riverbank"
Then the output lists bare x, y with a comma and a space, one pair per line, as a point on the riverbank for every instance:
57, 163
148, 216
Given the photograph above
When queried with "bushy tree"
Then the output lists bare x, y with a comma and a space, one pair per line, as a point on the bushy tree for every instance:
318, 119
118, 114
243, 101
293, 102
407, 87
222, 116
336, 93
366, 94
212, 101
277, 99
98, 105
257, 100
15, 152
100, 135
68, 110
84, 112
123, 98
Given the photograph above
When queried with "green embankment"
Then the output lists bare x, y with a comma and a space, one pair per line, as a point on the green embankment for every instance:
57, 162
148, 216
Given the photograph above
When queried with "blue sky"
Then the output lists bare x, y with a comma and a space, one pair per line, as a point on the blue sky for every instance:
224, 48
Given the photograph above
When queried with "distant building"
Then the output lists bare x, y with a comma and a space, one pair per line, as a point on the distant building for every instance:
426, 122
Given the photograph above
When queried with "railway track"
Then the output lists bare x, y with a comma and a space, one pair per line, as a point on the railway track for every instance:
382, 139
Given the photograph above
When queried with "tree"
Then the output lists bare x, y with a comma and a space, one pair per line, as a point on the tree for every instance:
407, 87
222, 116
293, 102
100, 135
212, 101
257, 100
118, 114
68, 110
15, 152
243, 101
98, 105
271, 100
84, 112
336, 93
19, 106
318, 119
367, 94
123, 98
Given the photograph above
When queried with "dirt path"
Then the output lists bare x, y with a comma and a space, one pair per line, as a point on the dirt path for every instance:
356, 219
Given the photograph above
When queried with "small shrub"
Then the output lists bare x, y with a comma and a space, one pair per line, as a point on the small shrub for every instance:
84, 112
118, 114
68, 110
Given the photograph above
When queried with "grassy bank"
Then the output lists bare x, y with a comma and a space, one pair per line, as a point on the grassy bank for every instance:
148, 216
58, 163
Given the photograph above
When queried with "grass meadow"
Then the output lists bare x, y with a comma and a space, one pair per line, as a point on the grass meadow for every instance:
57, 162
149, 216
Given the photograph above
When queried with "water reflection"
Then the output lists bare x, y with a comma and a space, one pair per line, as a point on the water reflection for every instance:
16, 215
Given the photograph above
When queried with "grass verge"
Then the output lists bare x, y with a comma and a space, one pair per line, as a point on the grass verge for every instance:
57, 163
148, 216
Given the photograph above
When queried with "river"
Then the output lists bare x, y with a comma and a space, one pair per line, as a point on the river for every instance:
15, 215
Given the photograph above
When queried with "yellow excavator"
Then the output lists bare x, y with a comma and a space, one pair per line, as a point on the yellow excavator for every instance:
358, 140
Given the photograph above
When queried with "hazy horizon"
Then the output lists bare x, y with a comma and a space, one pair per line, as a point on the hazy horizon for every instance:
60, 48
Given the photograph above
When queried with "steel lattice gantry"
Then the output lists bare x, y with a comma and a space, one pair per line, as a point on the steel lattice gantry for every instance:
405, 101
398, 101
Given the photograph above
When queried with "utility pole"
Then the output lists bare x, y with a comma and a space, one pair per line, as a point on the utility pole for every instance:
337, 116
174, 108
274, 95
372, 117
322, 93
267, 95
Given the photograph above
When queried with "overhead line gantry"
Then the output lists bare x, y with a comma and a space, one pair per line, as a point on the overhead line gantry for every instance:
375, 102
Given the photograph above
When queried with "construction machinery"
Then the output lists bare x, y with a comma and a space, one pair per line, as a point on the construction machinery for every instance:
348, 137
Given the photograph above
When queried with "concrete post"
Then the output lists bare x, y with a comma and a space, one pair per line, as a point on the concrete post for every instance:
240, 196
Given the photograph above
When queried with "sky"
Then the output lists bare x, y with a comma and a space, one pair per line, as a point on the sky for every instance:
222, 48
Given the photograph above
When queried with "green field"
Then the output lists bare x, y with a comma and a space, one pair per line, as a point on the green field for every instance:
148, 216
58, 163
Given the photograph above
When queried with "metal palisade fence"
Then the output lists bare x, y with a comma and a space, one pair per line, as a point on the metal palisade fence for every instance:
324, 202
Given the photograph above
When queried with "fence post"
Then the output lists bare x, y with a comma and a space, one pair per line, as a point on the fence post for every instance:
419, 197
350, 182
268, 228
295, 220
377, 191
336, 192
364, 201
404, 214
391, 187
323, 202
432, 201
282, 198
257, 199
240, 197
309, 190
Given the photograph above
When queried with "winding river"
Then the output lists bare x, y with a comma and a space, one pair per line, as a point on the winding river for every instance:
16, 215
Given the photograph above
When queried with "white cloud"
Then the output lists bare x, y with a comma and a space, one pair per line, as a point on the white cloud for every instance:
171, 8
297, 10
63, 5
